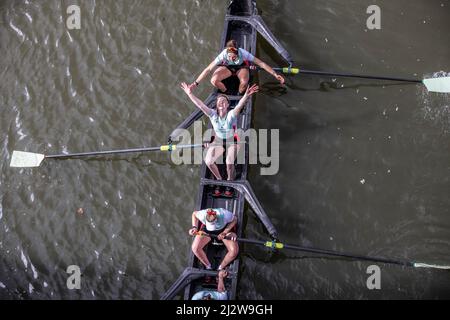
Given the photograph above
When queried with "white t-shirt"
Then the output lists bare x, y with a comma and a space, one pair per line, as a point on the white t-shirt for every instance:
224, 217
243, 55
223, 127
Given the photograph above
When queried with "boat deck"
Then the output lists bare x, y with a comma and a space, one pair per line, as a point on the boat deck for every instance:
245, 35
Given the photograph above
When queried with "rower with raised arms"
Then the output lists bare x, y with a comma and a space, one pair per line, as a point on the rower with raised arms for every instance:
224, 122
229, 63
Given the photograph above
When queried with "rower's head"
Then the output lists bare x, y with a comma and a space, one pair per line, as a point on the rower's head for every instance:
222, 103
211, 215
232, 50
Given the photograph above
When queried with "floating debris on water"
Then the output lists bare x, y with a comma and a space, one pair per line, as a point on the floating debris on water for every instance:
362, 181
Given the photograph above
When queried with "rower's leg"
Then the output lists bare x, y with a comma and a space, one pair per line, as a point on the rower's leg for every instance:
212, 155
233, 250
243, 76
197, 247
220, 74
231, 157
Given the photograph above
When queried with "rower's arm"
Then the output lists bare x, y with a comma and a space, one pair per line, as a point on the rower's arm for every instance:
237, 110
220, 285
230, 225
199, 103
205, 72
194, 219
250, 90
265, 66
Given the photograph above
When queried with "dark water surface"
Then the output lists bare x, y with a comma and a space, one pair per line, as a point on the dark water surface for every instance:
364, 164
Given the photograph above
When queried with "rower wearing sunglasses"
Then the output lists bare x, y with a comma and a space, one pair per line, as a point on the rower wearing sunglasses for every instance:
230, 62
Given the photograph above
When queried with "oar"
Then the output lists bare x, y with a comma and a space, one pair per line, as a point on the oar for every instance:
279, 245
441, 84
22, 159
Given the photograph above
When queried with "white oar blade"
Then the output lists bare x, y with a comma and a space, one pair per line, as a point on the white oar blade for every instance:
22, 159
426, 265
441, 84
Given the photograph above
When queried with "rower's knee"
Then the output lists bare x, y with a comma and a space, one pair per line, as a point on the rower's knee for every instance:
209, 161
215, 81
243, 86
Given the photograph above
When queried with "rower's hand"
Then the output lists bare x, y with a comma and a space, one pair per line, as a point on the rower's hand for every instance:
193, 231
193, 85
224, 235
251, 90
280, 78
221, 236
186, 88
222, 274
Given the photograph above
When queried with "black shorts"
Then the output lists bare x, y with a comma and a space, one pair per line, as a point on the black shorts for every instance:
216, 233
234, 69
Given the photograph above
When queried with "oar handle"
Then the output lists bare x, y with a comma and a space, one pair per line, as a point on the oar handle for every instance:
279, 245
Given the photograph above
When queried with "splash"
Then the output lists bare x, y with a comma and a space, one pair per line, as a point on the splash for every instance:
436, 106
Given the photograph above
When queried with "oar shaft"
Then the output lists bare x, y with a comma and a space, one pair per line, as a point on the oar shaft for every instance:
278, 245
96, 153
348, 75
348, 255
288, 70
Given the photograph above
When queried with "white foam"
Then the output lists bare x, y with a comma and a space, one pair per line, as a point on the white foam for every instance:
17, 30
35, 274
24, 259
29, 17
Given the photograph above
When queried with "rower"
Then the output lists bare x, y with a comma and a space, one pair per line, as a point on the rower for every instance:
223, 121
230, 62
219, 222
220, 294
